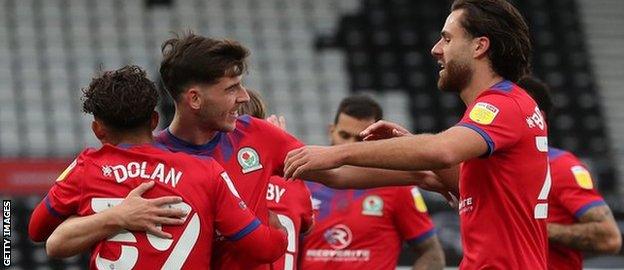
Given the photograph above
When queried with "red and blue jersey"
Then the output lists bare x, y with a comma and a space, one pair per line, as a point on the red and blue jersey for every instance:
571, 195
291, 201
100, 179
503, 194
253, 152
364, 229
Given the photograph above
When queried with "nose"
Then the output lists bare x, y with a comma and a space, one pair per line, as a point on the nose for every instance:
436, 51
243, 96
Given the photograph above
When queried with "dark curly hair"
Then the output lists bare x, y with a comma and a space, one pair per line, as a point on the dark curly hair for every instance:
124, 99
510, 43
191, 58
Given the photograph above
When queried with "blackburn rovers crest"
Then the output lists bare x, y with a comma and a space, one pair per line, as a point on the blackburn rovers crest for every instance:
249, 160
372, 206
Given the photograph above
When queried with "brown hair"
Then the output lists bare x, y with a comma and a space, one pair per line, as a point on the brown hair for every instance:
191, 58
510, 43
255, 107
124, 99
360, 107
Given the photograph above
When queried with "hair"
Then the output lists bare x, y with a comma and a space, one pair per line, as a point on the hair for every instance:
255, 107
123, 99
510, 43
194, 59
360, 107
540, 92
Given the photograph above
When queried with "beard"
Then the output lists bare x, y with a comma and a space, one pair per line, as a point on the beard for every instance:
457, 76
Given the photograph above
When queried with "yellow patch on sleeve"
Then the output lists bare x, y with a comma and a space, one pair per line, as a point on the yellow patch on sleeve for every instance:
582, 177
66, 171
483, 113
419, 202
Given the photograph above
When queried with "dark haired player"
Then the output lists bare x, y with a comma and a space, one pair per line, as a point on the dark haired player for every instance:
578, 218
196, 194
504, 176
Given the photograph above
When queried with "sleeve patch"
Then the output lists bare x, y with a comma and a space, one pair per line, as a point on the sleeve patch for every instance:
67, 171
483, 113
582, 177
419, 202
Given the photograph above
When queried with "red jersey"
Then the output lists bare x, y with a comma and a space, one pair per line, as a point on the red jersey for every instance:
503, 194
291, 201
363, 229
100, 179
253, 152
572, 194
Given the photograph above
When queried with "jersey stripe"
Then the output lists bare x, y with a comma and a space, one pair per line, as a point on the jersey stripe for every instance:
245, 231
486, 137
588, 206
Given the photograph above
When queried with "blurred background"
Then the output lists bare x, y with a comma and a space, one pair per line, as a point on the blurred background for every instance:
306, 56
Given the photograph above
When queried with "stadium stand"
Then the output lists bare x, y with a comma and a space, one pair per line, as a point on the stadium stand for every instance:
306, 56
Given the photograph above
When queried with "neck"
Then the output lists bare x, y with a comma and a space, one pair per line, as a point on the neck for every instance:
134, 138
481, 80
189, 131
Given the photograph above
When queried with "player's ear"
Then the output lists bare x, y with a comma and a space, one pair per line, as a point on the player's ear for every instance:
193, 98
154, 120
99, 130
481, 46
330, 130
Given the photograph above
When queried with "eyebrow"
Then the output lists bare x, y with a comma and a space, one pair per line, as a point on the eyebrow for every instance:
445, 34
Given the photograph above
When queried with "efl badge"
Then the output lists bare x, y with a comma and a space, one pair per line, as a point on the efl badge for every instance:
483, 113
372, 206
419, 202
249, 160
582, 177
66, 171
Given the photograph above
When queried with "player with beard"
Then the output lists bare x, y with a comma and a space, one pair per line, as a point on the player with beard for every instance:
578, 217
504, 177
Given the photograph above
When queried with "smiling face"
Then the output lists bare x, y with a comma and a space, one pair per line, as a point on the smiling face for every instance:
219, 103
454, 55
347, 129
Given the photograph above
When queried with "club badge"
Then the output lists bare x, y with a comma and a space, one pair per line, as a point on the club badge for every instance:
372, 206
249, 160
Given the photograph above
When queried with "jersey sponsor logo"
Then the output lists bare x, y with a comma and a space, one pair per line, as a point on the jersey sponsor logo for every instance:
66, 171
339, 236
249, 160
123, 172
483, 113
372, 206
465, 205
419, 202
582, 177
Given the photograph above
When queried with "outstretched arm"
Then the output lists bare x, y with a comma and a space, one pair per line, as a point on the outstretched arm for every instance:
77, 234
595, 232
429, 255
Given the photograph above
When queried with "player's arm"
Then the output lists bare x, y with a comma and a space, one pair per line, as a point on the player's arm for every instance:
596, 231
410, 153
429, 255
259, 242
78, 234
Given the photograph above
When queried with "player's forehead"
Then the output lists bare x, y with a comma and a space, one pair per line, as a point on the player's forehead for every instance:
227, 81
350, 124
452, 26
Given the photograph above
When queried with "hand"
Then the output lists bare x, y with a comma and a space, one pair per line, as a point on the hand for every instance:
311, 158
138, 214
279, 122
383, 130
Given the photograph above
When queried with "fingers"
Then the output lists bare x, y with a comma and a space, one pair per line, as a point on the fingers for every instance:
282, 122
170, 212
372, 128
290, 157
142, 188
153, 229
166, 200
169, 221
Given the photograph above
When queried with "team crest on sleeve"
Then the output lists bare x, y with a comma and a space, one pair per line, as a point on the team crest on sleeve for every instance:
249, 160
372, 206
67, 171
483, 113
419, 202
582, 177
